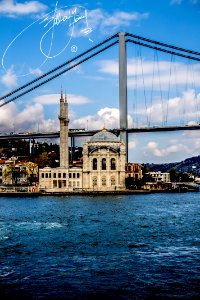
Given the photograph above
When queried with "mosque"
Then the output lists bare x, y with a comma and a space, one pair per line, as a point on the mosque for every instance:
104, 160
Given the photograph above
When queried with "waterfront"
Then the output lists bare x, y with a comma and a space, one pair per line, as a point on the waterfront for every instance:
116, 247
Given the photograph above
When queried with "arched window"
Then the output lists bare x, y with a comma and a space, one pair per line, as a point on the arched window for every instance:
94, 181
112, 180
103, 164
103, 180
112, 164
94, 164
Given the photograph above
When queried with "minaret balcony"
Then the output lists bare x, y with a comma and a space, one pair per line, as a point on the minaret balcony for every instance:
62, 118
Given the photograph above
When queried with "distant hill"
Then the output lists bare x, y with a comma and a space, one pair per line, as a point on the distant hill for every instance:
189, 165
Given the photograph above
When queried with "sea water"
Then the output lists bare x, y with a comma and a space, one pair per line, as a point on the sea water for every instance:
100, 247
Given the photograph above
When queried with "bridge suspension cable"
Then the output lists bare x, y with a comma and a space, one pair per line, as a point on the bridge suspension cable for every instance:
165, 100
58, 68
132, 38
164, 50
162, 44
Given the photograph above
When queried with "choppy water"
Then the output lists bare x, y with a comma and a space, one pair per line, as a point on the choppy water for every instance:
121, 247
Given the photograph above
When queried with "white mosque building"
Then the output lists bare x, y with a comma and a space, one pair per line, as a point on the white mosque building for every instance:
103, 169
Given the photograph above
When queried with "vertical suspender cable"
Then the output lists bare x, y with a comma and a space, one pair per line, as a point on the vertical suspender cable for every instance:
161, 95
152, 86
144, 90
168, 91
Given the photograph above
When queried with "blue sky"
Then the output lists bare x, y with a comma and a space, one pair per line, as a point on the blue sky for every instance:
162, 89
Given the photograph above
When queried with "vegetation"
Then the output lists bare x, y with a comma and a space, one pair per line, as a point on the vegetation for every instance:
189, 165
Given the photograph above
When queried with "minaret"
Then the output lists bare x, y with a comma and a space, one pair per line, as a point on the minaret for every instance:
63, 118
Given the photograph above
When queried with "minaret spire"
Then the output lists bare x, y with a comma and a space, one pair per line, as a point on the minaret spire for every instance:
61, 93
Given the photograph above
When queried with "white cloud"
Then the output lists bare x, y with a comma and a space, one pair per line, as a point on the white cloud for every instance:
106, 23
98, 18
162, 74
132, 144
30, 115
36, 71
184, 109
7, 113
11, 7
153, 148
31, 119
14, 120
122, 18
9, 79
106, 116
72, 99
46, 125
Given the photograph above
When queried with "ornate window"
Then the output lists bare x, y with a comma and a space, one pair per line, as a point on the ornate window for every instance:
94, 164
103, 164
94, 180
113, 164
103, 180
112, 180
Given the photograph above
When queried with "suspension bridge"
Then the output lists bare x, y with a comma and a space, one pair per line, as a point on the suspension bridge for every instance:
146, 90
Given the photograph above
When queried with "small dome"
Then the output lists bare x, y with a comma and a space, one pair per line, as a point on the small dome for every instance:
104, 136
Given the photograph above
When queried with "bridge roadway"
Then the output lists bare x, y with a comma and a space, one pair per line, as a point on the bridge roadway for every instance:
82, 132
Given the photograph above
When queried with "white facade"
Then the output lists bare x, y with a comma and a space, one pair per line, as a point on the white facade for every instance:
104, 163
159, 176
60, 179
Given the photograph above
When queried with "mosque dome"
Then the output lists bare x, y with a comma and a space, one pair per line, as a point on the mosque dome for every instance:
104, 136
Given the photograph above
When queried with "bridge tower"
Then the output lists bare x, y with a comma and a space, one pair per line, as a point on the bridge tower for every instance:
123, 91
64, 132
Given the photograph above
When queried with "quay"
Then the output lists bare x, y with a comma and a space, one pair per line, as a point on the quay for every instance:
16, 193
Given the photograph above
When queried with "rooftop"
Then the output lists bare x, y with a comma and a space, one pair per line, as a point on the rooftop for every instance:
104, 136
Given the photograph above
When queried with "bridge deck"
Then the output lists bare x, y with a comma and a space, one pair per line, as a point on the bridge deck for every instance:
76, 133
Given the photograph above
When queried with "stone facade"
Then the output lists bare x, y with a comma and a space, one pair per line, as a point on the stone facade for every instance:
104, 163
60, 179
103, 168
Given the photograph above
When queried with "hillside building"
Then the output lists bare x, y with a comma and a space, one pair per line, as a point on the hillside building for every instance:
160, 177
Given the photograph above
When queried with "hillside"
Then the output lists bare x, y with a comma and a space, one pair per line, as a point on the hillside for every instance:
189, 165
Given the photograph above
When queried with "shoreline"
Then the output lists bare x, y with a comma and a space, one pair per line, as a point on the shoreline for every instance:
91, 193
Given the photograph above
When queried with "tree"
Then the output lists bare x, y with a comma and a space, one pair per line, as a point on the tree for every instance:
42, 160
174, 175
